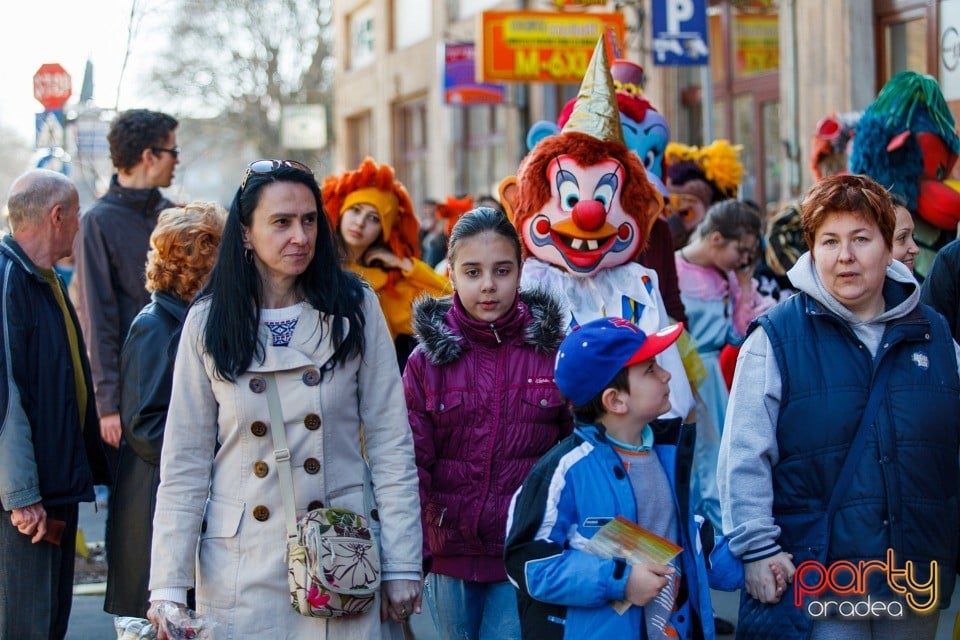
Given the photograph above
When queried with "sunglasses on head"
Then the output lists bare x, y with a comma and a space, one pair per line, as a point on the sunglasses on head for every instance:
265, 167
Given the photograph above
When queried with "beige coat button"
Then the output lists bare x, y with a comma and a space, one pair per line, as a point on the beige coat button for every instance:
261, 513
312, 421
258, 385
259, 428
311, 377
311, 465
260, 468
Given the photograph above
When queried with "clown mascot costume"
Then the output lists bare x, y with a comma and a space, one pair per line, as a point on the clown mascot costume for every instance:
906, 140
584, 208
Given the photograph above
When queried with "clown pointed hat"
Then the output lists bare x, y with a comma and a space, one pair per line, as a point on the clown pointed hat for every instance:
596, 112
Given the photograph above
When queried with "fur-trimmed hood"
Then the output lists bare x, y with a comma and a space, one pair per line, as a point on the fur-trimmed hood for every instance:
440, 333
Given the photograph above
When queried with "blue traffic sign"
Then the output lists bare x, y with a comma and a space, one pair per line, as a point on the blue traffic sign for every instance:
49, 129
679, 32
54, 159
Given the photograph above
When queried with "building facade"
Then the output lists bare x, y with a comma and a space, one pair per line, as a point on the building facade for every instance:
776, 68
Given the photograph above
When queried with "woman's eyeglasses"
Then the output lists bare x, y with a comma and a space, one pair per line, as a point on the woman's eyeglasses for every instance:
265, 167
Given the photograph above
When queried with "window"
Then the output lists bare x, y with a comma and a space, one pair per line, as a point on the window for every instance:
467, 8
412, 148
905, 46
482, 160
412, 22
744, 69
359, 138
361, 47
907, 38
772, 169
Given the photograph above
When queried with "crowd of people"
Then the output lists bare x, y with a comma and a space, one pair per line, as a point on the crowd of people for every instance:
449, 376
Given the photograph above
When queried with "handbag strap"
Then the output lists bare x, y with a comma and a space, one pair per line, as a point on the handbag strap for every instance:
281, 454
860, 439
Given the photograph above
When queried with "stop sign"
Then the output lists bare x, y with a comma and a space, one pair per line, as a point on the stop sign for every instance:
51, 86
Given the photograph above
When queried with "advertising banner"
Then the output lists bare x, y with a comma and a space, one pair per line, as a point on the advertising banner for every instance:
533, 46
459, 69
756, 39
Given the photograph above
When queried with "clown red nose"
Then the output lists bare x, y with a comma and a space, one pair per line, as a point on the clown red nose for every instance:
589, 215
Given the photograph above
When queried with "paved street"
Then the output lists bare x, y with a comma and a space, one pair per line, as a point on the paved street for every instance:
89, 622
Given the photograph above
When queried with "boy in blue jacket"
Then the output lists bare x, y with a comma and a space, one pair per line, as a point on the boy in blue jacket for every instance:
620, 461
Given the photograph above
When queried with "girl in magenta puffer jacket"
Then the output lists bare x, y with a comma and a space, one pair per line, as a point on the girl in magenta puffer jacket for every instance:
484, 407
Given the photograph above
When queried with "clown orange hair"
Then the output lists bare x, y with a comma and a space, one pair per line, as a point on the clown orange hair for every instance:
533, 188
404, 239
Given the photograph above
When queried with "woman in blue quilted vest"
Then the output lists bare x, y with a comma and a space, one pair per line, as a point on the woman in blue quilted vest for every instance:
839, 459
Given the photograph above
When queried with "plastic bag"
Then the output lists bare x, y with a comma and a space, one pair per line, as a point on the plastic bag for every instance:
134, 629
182, 623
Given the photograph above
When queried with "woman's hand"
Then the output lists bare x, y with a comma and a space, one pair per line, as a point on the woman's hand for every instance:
400, 598
159, 611
646, 581
387, 258
745, 274
766, 579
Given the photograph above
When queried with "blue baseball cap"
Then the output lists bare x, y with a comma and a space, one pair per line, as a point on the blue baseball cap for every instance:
592, 354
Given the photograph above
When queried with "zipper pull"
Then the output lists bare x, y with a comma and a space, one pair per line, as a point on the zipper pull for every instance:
443, 512
495, 334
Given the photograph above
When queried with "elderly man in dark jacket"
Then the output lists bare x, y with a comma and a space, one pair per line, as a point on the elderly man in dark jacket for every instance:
50, 451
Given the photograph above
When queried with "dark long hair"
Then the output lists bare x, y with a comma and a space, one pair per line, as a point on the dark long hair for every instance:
236, 295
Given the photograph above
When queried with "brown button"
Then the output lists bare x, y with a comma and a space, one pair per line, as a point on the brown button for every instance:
375, 515
259, 428
260, 468
311, 465
312, 421
261, 513
311, 377
315, 504
258, 385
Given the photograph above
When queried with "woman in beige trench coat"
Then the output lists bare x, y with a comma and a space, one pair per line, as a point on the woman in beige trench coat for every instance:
278, 303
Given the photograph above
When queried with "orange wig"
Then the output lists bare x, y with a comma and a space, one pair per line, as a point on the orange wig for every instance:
401, 230
403, 233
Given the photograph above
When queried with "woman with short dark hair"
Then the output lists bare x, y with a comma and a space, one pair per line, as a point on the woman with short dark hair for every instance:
841, 439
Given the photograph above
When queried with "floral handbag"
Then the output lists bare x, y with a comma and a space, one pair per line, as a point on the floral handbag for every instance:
334, 566
333, 560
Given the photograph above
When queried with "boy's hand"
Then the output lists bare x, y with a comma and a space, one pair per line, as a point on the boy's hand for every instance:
646, 581
766, 579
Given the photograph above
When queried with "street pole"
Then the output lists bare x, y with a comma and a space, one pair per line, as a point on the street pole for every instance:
706, 103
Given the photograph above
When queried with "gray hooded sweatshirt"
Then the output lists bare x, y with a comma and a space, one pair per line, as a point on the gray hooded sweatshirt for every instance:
748, 448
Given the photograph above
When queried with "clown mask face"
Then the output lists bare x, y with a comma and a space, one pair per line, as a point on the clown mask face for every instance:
648, 139
583, 227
